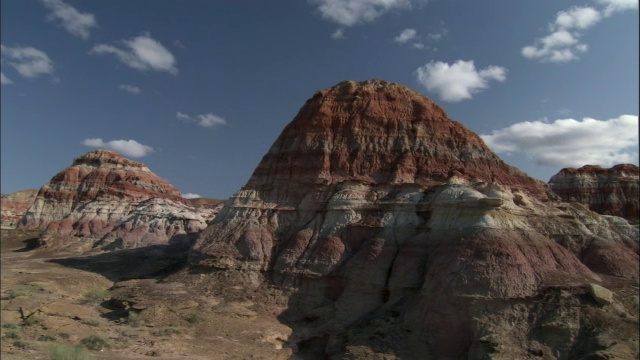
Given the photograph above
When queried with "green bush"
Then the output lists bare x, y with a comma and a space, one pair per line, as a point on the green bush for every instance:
46, 337
9, 326
166, 332
21, 344
94, 342
11, 335
133, 319
193, 318
96, 295
32, 320
68, 352
91, 322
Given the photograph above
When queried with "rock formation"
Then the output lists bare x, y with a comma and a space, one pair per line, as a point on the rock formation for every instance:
114, 202
373, 205
14, 206
609, 191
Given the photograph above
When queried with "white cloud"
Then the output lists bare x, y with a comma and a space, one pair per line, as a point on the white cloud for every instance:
5, 80
28, 61
338, 34
405, 35
141, 53
418, 45
204, 120
77, 23
191, 196
562, 44
351, 12
130, 88
614, 6
458, 81
209, 120
129, 148
577, 18
569, 142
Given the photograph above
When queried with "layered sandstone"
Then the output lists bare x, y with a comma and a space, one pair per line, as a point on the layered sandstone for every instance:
15, 205
114, 202
373, 203
609, 191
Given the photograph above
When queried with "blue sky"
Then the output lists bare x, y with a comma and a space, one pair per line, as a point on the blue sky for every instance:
199, 90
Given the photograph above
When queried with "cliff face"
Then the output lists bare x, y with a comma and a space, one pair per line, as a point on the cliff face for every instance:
373, 201
113, 201
609, 191
15, 205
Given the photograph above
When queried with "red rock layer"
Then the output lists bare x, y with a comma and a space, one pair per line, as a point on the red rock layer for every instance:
97, 175
380, 132
609, 191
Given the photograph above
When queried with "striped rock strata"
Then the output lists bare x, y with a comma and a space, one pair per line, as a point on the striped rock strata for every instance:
608, 191
15, 205
114, 202
373, 204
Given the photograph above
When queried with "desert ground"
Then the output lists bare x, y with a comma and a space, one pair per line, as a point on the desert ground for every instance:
54, 305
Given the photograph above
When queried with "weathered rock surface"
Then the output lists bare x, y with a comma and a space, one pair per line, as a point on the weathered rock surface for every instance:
609, 191
114, 202
373, 204
14, 206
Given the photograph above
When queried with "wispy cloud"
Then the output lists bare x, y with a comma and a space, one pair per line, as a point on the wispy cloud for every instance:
204, 120
130, 88
5, 80
130, 148
458, 81
191, 196
28, 61
569, 142
76, 23
141, 53
562, 44
352, 12
338, 34
405, 36
613, 6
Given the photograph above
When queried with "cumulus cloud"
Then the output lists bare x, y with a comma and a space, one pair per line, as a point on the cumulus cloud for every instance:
28, 61
458, 81
76, 23
141, 53
204, 120
130, 148
569, 142
338, 34
130, 88
352, 12
5, 80
562, 43
406, 35
191, 196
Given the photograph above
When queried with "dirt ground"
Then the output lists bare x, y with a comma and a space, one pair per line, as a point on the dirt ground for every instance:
121, 305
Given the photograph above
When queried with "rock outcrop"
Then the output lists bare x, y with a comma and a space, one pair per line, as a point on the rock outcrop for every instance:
373, 204
112, 202
15, 205
608, 191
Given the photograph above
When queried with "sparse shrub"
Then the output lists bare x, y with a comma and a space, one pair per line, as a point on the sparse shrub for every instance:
166, 332
46, 337
64, 335
9, 326
91, 322
94, 342
14, 335
96, 295
68, 352
193, 318
14, 293
21, 344
133, 319
32, 320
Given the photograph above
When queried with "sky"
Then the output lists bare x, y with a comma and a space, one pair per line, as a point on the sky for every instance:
199, 90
